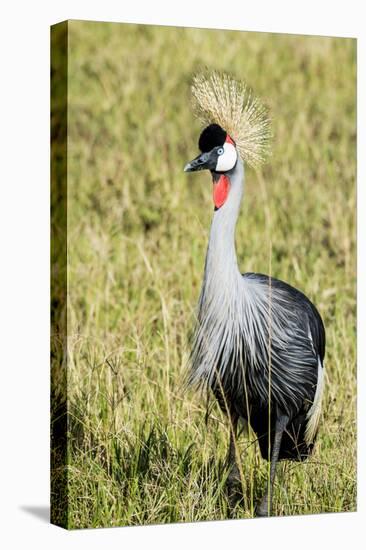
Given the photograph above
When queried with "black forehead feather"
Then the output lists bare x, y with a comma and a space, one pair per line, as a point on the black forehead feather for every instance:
211, 137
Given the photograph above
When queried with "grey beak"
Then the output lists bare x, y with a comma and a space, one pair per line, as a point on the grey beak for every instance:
202, 162
188, 167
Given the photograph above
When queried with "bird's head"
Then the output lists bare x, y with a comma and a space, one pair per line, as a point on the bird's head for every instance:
219, 155
237, 127
218, 151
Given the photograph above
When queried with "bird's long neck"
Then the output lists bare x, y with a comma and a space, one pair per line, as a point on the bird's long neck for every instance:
220, 302
221, 262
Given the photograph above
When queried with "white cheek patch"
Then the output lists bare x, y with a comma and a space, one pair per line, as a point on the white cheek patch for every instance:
227, 160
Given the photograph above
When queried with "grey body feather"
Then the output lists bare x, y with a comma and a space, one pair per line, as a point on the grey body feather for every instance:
258, 343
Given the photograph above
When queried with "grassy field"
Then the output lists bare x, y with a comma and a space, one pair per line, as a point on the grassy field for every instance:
140, 450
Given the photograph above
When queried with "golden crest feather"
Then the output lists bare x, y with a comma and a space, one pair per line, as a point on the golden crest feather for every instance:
220, 99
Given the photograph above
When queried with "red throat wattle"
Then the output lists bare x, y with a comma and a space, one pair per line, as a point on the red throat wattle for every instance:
221, 189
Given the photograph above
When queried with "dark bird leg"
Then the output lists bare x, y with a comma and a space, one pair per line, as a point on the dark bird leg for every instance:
265, 507
233, 481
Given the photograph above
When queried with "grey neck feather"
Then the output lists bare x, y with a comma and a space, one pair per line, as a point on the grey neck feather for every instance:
220, 305
221, 262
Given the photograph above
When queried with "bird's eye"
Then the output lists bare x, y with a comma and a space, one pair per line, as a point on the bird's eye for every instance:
220, 151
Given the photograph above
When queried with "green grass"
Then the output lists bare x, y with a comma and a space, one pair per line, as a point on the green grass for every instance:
140, 451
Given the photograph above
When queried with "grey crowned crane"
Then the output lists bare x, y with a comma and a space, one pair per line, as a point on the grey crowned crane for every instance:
259, 343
